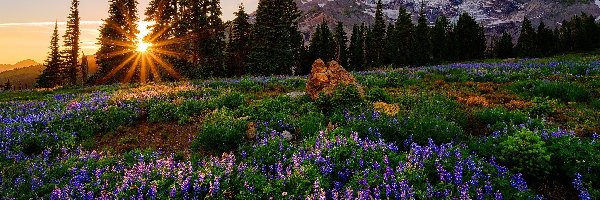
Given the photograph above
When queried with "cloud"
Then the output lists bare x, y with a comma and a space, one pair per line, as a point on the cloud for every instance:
48, 23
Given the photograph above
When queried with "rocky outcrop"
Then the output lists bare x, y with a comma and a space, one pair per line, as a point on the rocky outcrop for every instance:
324, 78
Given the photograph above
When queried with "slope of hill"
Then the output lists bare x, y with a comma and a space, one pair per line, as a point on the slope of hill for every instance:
22, 77
22, 64
495, 15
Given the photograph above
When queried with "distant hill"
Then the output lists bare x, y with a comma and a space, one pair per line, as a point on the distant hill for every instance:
22, 64
22, 77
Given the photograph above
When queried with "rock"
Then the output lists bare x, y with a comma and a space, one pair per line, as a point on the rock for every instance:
324, 78
287, 135
294, 95
251, 132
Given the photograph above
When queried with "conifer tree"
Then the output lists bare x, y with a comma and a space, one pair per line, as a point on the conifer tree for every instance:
50, 77
356, 60
390, 45
439, 39
503, 48
163, 33
84, 68
322, 45
239, 44
276, 41
404, 38
117, 40
470, 38
545, 40
377, 38
71, 46
526, 44
422, 46
7, 85
341, 42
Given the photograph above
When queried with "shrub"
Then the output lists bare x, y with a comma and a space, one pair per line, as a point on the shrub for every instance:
189, 108
526, 152
161, 111
309, 124
378, 95
575, 155
344, 97
221, 132
441, 131
542, 106
229, 100
113, 117
499, 118
558, 90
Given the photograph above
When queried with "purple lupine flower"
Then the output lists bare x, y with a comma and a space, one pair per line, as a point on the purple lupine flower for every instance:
578, 183
518, 182
498, 195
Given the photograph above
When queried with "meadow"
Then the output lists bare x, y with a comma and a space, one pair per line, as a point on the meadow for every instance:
504, 129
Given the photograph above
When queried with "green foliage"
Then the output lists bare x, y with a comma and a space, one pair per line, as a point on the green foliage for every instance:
221, 132
378, 94
188, 109
309, 124
565, 91
575, 155
342, 98
161, 111
543, 107
526, 152
500, 118
229, 100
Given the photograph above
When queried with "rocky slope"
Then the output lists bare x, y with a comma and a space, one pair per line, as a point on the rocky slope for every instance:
495, 15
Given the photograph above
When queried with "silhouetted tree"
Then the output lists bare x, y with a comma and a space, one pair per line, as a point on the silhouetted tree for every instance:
71, 46
51, 77
376, 39
504, 46
84, 68
526, 44
322, 44
276, 41
422, 45
7, 85
439, 39
357, 54
239, 44
117, 41
470, 38
545, 40
164, 34
341, 42
404, 38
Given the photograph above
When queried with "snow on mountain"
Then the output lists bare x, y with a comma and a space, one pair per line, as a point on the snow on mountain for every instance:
496, 15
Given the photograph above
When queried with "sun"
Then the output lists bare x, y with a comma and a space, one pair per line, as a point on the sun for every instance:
143, 47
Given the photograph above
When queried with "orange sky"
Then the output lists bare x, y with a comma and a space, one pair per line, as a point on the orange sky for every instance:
26, 25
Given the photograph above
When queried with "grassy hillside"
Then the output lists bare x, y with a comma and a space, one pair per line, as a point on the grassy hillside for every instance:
22, 77
519, 129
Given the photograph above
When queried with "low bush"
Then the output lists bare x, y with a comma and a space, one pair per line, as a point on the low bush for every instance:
231, 100
542, 107
500, 118
564, 91
189, 108
221, 132
161, 111
378, 95
344, 97
309, 124
573, 155
526, 152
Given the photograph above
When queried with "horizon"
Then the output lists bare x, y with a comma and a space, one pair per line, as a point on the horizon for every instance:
26, 26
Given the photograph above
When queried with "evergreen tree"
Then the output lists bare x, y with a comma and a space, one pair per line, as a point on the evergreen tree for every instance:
164, 36
239, 44
7, 85
390, 45
117, 41
84, 68
503, 48
470, 38
565, 37
356, 60
376, 39
404, 38
422, 46
276, 40
526, 44
341, 42
50, 77
322, 45
439, 39
71, 45
545, 40
215, 49
590, 33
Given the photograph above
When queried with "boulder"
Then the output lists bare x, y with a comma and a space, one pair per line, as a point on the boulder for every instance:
324, 78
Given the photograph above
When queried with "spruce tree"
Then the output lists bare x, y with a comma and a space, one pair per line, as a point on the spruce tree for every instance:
503, 48
215, 51
356, 60
71, 46
422, 45
377, 38
404, 38
390, 45
341, 42
85, 66
163, 34
526, 44
322, 45
439, 39
276, 41
50, 77
117, 41
239, 44
470, 38
545, 40
7, 85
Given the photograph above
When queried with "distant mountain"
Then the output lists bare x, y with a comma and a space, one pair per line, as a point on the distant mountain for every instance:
24, 63
23, 78
495, 15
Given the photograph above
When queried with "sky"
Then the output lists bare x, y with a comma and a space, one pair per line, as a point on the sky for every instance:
26, 25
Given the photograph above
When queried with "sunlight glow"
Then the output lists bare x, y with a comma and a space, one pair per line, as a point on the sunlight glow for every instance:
142, 46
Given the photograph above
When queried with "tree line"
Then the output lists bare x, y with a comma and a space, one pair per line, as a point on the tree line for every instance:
191, 36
